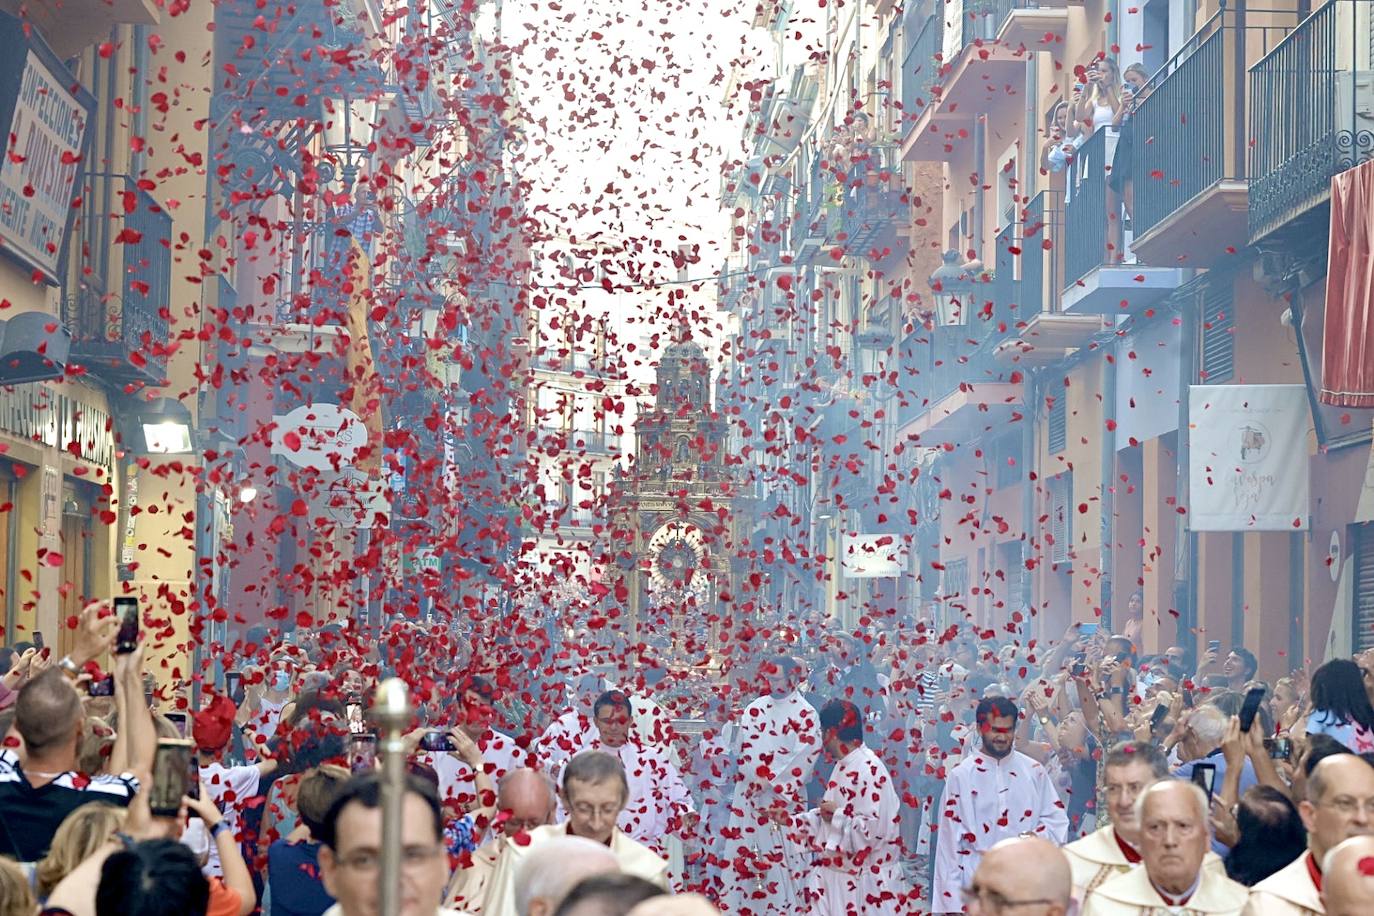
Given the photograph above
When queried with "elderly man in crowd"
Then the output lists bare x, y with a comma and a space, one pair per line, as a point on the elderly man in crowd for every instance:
595, 791
1348, 878
992, 795
526, 800
1173, 817
554, 867
1339, 805
1128, 769
1029, 876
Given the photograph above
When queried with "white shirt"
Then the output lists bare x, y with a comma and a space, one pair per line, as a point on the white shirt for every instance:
230, 787
987, 800
456, 779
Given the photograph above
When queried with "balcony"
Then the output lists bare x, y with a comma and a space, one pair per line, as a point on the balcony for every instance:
1191, 194
1102, 278
858, 206
1313, 115
74, 25
977, 71
117, 302
1042, 334
961, 389
553, 440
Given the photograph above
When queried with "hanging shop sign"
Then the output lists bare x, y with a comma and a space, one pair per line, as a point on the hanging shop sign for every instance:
46, 118
351, 499
319, 436
873, 556
1248, 464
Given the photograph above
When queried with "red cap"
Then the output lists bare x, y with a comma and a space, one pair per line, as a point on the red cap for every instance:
213, 726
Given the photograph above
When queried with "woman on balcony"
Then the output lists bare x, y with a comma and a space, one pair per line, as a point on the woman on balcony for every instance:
1101, 99
1120, 180
1059, 150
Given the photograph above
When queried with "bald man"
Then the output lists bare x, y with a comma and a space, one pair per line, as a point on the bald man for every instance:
1348, 878
527, 800
1174, 836
1027, 874
1339, 805
554, 867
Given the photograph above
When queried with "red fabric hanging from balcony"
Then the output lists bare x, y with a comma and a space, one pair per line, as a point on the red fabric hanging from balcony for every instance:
1347, 378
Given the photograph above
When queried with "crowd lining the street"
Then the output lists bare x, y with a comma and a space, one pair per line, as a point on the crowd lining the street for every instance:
885, 772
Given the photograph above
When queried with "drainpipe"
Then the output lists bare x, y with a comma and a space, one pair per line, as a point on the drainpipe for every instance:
1028, 484
1107, 463
980, 127
1185, 543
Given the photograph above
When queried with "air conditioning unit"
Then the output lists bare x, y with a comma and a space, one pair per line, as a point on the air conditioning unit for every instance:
1355, 102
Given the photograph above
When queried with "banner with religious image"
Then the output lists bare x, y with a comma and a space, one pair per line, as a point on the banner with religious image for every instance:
1248, 464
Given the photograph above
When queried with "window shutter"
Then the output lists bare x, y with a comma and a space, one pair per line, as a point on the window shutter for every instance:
1362, 627
1058, 422
1218, 342
956, 578
1061, 517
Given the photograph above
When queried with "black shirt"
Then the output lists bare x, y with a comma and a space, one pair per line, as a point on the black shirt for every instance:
29, 817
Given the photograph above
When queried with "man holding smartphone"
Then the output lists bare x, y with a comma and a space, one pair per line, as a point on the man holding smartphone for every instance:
37, 794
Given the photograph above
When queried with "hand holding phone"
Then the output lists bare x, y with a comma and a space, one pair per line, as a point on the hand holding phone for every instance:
1253, 697
1205, 777
175, 775
126, 639
438, 741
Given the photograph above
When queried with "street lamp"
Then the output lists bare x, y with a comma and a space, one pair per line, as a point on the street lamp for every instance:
348, 128
950, 286
166, 426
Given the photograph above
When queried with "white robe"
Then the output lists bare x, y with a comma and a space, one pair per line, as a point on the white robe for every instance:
858, 867
987, 800
775, 746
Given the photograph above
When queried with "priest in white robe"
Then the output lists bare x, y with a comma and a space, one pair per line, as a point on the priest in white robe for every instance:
776, 743
855, 832
1171, 879
1339, 793
659, 804
994, 794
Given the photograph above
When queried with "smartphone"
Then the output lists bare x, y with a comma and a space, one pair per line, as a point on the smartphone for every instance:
103, 687
362, 752
1253, 697
437, 741
1158, 715
174, 775
1205, 777
1279, 748
1214, 645
1078, 669
1087, 629
179, 718
354, 717
233, 685
38, 639
126, 609
1187, 698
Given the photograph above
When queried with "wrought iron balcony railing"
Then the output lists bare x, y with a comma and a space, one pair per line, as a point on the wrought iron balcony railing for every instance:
1189, 124
1085, 213
1312, 114
117, 304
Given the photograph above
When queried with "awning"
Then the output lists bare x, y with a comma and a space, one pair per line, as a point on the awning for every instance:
1347, 378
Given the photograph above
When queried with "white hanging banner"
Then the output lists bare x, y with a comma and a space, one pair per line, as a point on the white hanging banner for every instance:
1248, 458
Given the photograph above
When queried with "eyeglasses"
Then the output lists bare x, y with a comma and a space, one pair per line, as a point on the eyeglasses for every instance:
1348, 806
369, 860
989, 901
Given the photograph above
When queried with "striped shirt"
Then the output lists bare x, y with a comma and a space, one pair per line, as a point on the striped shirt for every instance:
29, 816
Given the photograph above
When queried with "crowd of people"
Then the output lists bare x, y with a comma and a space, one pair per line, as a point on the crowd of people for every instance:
899, 771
